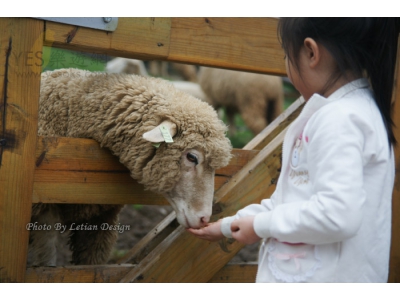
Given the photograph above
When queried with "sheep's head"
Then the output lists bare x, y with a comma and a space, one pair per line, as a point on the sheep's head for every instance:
183, 171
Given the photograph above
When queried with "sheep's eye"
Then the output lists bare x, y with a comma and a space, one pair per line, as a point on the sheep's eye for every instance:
191, 157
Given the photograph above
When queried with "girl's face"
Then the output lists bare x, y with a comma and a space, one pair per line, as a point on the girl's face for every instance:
298, 80
316, 68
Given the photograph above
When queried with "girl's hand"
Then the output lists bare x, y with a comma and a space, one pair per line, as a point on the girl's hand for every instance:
211, 232
243, 230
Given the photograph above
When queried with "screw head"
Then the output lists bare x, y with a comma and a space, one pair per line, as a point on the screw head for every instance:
107, 20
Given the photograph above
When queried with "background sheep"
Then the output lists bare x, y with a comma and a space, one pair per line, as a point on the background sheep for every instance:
127, 66
258, 98
188, 72
135, 66
157, 68
124, 113
166, 69
191, 88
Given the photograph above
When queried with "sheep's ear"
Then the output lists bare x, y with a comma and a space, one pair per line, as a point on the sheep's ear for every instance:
155, 136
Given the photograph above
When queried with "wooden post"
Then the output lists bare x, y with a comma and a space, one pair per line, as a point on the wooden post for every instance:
21, 41
394, 275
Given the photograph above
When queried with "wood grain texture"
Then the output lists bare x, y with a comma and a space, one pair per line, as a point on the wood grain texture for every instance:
146, 38
71, 170
77, 274
248, 44
236, 273
20, 42
394, 269
231, 273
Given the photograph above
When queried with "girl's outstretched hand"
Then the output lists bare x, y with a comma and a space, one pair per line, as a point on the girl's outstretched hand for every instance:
211, 232
243, 230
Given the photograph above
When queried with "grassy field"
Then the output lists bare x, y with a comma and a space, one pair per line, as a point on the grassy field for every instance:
54, 58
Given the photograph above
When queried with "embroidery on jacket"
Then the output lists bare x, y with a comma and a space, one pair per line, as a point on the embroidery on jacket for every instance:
296, 151
298, 262
299, 177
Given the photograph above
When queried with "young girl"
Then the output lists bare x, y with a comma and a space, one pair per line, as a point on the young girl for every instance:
329, 219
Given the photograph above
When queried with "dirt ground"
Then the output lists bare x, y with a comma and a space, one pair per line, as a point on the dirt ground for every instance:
141, 220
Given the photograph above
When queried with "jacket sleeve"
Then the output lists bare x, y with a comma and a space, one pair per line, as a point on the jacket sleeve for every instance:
335, 163
250, 210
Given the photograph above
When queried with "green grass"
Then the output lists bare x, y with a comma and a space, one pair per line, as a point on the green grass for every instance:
54, 58
137, 206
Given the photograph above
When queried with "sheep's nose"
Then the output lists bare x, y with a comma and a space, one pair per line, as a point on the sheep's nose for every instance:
204, 220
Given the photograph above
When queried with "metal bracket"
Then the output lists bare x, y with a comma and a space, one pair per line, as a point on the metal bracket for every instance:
106, 24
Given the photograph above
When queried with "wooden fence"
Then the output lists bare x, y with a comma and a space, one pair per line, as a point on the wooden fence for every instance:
65, 170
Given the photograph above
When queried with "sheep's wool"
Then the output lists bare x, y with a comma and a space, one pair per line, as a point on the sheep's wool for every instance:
117, 109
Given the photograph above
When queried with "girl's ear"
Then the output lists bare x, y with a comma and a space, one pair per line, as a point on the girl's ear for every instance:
313, 52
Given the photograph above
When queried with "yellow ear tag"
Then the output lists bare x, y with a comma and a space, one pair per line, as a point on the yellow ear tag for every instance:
157, 145
166, 135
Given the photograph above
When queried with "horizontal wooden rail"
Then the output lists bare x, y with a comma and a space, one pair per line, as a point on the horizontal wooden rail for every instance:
231, 273
248, 44
71, 170
236, 273
77, 274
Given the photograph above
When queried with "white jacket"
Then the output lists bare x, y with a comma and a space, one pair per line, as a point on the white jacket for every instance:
329, 219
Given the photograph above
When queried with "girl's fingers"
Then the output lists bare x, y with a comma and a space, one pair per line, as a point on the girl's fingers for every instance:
234, 228
196, 232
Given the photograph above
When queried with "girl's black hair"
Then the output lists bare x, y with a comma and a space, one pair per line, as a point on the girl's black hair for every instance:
364, 46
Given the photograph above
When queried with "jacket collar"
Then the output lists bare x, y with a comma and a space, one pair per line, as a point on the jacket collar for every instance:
349, 87
317, 101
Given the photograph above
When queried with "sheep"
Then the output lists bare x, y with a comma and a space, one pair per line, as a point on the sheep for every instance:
258, 98
191, 88
161, 69
126, 65
158, 68
188, 72
125, 113
135, 66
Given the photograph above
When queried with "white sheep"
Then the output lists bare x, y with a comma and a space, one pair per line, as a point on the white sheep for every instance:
163, 69
127, 66
135, 66
191, 88
187, 72
258, 98
125, 113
